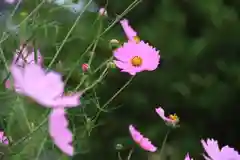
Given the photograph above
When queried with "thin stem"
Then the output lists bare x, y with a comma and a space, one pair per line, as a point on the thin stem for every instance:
119, 156
164, 143
114, 96
95, 83
131, 6
3, 59
30, 133
41, 148
130, 154
95, 44
25, 19
68, 34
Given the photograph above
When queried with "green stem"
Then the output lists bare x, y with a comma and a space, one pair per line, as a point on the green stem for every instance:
94, 83
164, 143
69, 33
114, 96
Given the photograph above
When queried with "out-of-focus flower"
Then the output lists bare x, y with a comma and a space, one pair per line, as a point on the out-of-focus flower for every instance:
8, 84
136, 57
215, 153
46, 88
11, 1
102, 12
26, 55
188, 157
58, 129
85, 67
143, 142
3, 138
129, 31
172, 119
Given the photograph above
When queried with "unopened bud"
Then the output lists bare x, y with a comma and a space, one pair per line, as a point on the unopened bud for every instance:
102, 12
85, 67
111, 65
114, 41
114, 44
119, 147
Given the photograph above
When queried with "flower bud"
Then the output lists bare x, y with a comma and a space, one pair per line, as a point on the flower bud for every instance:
114, 44
85, 67
102, 12
111, 64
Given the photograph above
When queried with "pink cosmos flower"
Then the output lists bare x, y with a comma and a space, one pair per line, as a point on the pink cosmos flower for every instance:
136, 57
188, 157
46, 88
215, 153
22, 59
27, 57
143, 142
58, 129
3, 138
171, 119
131, 34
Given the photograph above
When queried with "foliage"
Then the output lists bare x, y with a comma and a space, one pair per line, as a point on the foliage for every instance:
197, 78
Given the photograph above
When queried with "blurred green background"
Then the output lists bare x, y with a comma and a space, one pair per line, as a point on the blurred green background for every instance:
198, 76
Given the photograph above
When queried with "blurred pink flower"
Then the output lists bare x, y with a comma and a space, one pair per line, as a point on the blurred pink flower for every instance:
215, 153
136, 57
102, 12
188, 157
10, 1
143, 142
171, 119
131, 34
46, 88
58, 129
3, 138
8, 84
27, 57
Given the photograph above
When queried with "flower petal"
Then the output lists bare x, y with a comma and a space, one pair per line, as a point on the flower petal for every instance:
59, 132
68, 101
128, 29
161, 113
143, 142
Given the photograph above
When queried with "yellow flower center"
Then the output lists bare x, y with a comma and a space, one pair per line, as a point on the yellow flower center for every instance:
173, 117
137, 39
136, 61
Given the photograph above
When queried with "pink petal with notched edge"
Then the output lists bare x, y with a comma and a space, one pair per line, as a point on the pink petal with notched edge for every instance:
143, 142
214, 153
128, 29
58, 129
211, 147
